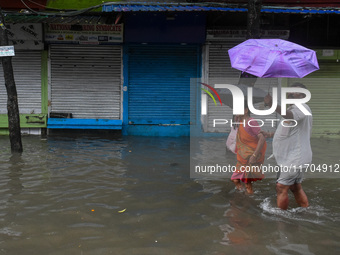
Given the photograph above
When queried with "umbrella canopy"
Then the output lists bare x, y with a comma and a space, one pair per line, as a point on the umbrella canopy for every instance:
273, 58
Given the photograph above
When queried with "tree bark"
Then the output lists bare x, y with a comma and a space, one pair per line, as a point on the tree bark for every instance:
254, 19
253, 32
12, 97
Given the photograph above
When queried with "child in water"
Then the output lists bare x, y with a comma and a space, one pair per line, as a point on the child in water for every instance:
250, 150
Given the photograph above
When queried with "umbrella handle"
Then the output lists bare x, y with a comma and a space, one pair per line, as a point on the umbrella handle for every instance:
265, 104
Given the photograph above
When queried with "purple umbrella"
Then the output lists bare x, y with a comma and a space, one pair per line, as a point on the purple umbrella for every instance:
273, 58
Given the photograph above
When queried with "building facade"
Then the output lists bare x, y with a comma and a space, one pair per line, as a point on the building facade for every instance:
138, 68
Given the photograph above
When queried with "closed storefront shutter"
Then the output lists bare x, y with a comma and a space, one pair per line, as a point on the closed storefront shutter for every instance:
86, 81
219, 71
159, 83
219, 62
27, 76
324, 86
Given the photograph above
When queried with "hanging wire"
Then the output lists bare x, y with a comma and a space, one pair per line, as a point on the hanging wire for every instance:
228, 6
37, 4
69, 13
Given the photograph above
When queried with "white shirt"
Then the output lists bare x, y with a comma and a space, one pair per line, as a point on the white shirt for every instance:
291, 145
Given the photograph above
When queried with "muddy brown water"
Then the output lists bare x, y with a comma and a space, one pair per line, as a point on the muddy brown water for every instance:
134, 195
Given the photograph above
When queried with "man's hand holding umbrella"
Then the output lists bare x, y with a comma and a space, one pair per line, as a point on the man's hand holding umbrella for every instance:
268, 100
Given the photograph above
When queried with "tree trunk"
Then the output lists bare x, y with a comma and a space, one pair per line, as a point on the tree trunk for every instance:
12, 97
253, 32
253, 19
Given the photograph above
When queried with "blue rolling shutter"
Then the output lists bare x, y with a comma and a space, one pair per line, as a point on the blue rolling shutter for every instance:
159, 83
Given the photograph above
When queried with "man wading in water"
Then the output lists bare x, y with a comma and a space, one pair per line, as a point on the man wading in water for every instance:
292, 150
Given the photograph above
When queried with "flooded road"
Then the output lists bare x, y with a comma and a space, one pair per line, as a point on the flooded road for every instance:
134, 195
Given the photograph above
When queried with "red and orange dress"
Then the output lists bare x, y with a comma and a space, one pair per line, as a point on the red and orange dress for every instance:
246, 143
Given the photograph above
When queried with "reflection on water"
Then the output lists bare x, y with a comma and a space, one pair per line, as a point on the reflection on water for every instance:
68, 195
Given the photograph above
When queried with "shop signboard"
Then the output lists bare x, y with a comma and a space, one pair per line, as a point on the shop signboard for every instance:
229, 34
25, 36
84, 33
7, 51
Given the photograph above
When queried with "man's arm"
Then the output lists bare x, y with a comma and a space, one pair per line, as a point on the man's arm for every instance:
267, 134
259, 146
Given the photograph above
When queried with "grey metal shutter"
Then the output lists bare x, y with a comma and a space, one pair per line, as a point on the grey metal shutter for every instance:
27, 76
86, 81
159, 83
220, 72
219, 63
325, 93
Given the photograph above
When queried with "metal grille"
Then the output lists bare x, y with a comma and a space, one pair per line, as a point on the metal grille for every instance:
159, 83
86, 81
27, 76
219, 63
325, 93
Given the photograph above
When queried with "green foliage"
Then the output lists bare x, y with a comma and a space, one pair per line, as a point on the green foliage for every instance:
75, 4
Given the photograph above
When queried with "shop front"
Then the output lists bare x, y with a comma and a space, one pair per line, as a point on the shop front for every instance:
29, 76
161, 56
325, 91
85, 77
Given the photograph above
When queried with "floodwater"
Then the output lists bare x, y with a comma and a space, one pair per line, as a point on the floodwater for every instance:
134, 195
